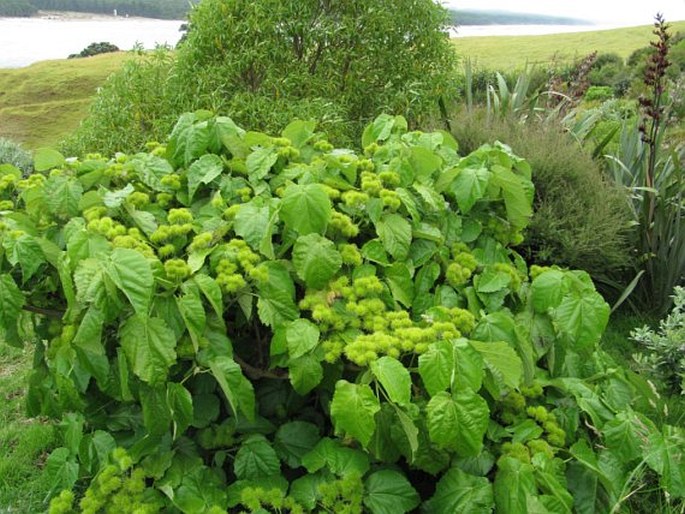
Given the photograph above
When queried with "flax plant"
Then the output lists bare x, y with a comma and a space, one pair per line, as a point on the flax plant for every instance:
653, 173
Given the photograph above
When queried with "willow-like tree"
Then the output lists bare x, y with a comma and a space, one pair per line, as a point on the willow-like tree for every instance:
266, 62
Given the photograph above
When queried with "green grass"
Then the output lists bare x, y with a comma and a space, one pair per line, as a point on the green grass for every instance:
24, 443
43, 103
506, 53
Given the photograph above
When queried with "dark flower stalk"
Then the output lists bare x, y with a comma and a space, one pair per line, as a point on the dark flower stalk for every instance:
652, 107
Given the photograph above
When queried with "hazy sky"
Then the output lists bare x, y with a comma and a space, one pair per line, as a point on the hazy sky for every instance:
618, 12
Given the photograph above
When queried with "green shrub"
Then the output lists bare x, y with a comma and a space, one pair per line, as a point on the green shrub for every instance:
581, 220
137, 104
235, 320
265, 62
663, 357
12, 153
598, 93
95, 49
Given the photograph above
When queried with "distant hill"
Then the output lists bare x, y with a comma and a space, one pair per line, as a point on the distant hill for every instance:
164, 9
469, 17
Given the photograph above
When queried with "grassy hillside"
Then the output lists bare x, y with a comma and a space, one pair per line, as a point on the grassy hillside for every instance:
44, 102
509, 52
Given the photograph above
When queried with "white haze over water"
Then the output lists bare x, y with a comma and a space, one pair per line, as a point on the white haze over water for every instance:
610, 13
27, 40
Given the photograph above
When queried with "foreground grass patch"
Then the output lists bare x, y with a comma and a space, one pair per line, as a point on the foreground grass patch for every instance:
24, 443
43, 103
505, 53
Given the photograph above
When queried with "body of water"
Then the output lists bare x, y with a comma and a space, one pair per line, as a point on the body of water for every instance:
24, 41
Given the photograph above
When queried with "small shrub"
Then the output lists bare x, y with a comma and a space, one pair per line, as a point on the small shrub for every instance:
12, 153
95, 49
664, 358
598, 93
580, 219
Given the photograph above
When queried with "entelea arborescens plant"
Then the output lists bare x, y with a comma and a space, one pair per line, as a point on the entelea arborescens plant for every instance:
245, 323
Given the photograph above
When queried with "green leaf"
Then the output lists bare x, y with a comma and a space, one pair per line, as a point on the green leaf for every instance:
62, 196
315, 260
193, 314
491, 280
150, 347
301, 336
11, 301
96, 449
459, 492
180, 404
156, 412
394, 378
389, 492
395, 233
470, 186
401, 285
253, 223
517, 202
89, 348
203, 171
514, 484
411, 433
339, 459
452, 364
502, 362
83, 245
305, 374
353, 409
379, 130
373, 251
61, 470
664, 453
624, 436
114, 199
306, 208
299, 132
256, 459
294, 440
554, 487
305, 490
276, 304
424, 162
150, 169
211, 290
259, 163
200, 490
131, 273
45, 159
188, 140
582, 319
546, 290
71, 427
237, 389
26, 251
458, 421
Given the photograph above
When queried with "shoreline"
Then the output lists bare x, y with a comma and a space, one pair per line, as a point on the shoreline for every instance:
87, 16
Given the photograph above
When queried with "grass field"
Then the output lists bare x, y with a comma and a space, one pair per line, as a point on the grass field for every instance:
505, 53
24, 443
44, 102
